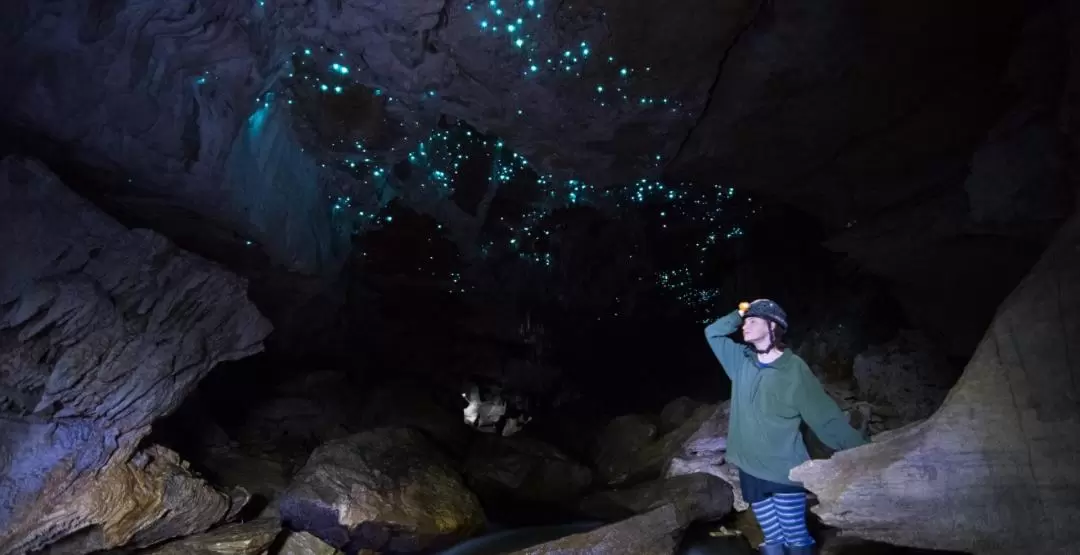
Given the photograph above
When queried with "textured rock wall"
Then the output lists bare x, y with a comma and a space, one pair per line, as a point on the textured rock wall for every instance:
994, 470
102, 330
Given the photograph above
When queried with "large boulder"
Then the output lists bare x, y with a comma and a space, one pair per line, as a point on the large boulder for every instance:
384, 489
265, 475
700, 496
630, 450
994, 469
102, 330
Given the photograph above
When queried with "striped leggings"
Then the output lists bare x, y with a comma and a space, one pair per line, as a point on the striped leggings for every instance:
782, 518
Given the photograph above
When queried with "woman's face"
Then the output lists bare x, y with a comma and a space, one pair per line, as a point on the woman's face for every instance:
755, 329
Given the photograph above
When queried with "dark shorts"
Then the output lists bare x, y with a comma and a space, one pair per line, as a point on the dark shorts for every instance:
755, 489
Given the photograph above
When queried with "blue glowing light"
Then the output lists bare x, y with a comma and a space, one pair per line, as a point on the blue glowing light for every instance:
438, 159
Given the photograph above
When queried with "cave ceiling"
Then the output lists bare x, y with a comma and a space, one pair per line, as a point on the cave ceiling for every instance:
292, 127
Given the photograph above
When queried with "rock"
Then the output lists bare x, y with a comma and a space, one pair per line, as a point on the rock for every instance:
993, 470
102, 331
653, 533
417, 406
676, 412
524, 470
830, 349
303, 543
624, 434
513, 539
714, 542
249, 538
629, 450
704, 452
141, 502
906, 374
746, 524
300, 413
293, 424
698, 496
385, 489
263, 474
710, 434
708, 465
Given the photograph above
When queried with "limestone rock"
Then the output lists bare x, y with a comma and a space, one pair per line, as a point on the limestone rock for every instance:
292, 423
417, 406
704, 452
516, 538
710, 434
653, 533
676, 412
906, 374
249, 538
303, 543
384, 489
524, 469
263, 474
628, 453
698, 496
993, 470
149, 499
102, 330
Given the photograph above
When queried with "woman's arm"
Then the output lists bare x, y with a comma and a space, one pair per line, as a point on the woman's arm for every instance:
822, 414
730, 354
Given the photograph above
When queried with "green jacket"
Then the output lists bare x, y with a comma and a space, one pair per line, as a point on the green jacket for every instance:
768, 402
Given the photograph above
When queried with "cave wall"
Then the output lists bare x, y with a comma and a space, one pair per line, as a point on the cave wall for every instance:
961, 242
103, 329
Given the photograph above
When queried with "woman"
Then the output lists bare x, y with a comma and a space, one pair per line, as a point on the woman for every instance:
772, 391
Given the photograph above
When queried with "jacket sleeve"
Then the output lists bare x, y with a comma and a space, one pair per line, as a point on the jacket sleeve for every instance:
822, 414
727, 351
